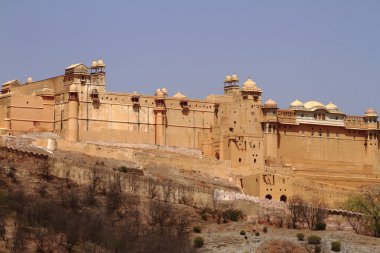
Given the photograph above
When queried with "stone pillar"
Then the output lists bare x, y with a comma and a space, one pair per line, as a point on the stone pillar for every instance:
160, 127
72, 123
272, 142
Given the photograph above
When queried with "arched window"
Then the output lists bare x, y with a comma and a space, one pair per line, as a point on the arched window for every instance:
268, 196
283, 198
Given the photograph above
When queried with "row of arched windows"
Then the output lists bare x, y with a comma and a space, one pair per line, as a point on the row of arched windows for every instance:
319, 116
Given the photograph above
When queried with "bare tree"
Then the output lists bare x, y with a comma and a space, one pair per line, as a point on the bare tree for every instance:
152, 188
12, 174
217, 210
44, 240
279, 217
45, 169
19, 239
167, 190
95, 180
339, 220
42, 190
313, 212
159, 215
296, 204
114, 196
187, 196
182, 221
134, 182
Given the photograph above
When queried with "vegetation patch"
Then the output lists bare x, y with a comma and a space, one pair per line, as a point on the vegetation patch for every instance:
336, 246
197, 229
233, 214
198, 242
300, 236
314, 239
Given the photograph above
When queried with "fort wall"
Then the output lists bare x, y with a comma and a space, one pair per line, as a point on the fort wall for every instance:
239, 136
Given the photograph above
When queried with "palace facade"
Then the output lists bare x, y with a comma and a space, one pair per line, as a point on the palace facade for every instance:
269, 148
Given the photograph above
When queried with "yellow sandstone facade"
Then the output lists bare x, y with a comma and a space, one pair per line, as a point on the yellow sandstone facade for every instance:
273, 153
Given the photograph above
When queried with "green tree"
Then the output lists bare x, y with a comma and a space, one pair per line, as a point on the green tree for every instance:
366, 202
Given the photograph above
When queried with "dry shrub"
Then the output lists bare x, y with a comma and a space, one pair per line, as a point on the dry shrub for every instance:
281, 246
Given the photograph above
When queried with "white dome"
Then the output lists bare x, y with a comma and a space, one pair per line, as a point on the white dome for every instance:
179, 95
228, 79
296, 103
332, 107
234, 78
94, 64
29, 80
313, 105
164, 90
101, 63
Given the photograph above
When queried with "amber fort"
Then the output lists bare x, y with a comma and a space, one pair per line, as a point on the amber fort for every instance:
308, 148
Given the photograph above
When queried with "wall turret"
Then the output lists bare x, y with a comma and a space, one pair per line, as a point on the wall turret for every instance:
160, 117
72, 121
270, 127
231, 84
98, 74
250, 91
372, 142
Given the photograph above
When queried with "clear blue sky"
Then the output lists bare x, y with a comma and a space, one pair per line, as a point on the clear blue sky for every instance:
322, 50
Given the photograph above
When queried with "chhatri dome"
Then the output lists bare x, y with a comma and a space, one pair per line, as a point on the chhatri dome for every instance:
165, 91
331, 107
234, 78
296, 104
101, 63
94, 64
371, 112
249, 85
179, 95
313, 105
29, 80
271, 102
159, 93
228, 79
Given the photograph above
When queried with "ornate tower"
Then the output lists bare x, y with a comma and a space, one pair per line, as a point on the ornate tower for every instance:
76, 77
72, 121
160, 117
231, 84
98, 75
270, 126
372, 142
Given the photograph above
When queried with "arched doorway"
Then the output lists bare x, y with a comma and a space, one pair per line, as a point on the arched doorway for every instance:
268, 196
283, 198
217, 155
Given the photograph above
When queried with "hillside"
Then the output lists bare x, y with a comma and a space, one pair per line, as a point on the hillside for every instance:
70, 202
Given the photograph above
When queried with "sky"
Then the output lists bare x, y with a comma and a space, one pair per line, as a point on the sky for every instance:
308, 50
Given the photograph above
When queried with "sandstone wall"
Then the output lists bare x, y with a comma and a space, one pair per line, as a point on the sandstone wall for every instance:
143, 156
309, 144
